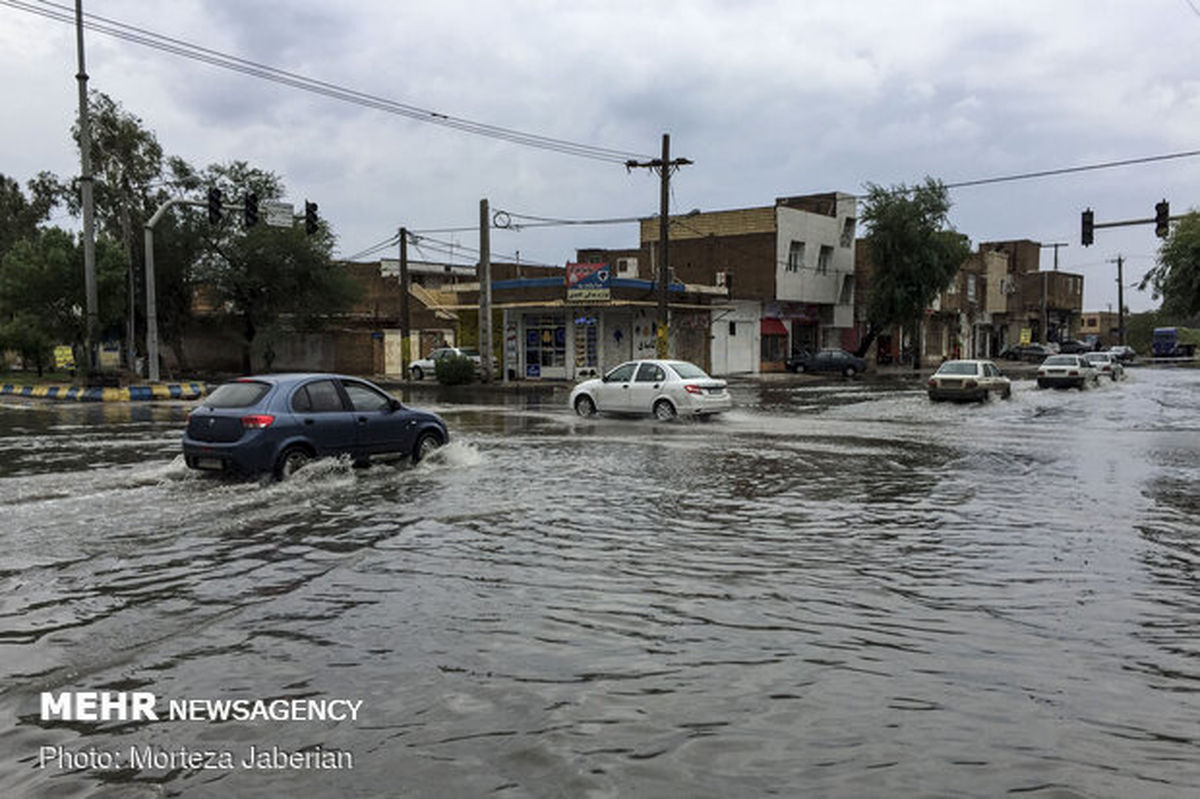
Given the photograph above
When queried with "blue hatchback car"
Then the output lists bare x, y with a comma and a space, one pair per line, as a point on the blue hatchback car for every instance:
278, 423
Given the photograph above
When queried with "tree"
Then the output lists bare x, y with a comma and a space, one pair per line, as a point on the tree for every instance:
42, 292
1176, 277
914, 254
20, 217
263, 274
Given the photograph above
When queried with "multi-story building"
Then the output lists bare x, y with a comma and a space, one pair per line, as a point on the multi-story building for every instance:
788, 269
1041, 305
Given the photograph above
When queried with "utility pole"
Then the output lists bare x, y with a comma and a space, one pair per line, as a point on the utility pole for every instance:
1055, 245
1120, 262
85, 187
485, 290
405, 321
664, 166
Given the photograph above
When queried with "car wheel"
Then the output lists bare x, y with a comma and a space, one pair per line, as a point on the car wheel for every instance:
417, 373
293, 459
1006, 394
799, 368
426, 444
584, 405
664, 411
849, 371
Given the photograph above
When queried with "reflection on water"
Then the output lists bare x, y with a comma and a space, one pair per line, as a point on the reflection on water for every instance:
839, 589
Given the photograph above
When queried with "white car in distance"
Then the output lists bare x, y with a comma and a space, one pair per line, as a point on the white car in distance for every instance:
664, 389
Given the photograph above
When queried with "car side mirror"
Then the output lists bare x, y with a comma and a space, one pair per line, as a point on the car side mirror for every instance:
395, 405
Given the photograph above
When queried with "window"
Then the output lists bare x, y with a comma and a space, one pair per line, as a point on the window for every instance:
733, 328
240, 394
545, 341
320, 396
795, 256
847, 296
848, 232
627, 267
824, 259
971, 288
650, 373
621, 374
365, 398
1092, 322
952, 289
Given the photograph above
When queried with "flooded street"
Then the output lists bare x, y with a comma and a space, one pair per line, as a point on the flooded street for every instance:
839, 589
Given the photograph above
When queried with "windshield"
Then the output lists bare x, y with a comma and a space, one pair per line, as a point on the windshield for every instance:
470, 353
240, 394
687, 371
957, 368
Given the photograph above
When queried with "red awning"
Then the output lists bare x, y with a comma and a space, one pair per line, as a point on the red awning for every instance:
773, 327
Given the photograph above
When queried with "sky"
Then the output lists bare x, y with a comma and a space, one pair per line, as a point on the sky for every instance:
767, 99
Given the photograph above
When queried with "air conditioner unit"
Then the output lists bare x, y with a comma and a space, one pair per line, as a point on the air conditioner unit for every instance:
721, 278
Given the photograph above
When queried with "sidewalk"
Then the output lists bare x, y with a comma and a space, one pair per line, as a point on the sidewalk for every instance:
59, 391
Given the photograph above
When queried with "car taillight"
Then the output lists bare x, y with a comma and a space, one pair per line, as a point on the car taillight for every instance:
971, 384
257, 421
932, 382
1041, 372
693, 389
1073, 373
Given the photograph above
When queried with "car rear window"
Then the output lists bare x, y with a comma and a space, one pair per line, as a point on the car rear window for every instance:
957, 368
239, 394
1062, 360
687, 371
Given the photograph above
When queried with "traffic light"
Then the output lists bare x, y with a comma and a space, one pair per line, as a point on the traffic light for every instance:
251, 209
310, 218
1162, 219
1088, 223
214, 206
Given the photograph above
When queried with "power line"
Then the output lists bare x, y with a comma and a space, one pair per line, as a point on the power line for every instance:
205, 55
1072, 169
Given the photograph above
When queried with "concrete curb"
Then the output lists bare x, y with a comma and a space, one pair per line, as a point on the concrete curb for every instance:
155, 391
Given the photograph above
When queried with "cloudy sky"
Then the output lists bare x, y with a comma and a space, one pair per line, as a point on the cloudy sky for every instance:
768, 98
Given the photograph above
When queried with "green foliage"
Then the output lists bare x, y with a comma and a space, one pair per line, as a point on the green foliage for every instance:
19, 216
1176, 277
455, 371
914, 252
24, 334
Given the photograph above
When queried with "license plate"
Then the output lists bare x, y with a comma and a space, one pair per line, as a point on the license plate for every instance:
215, 464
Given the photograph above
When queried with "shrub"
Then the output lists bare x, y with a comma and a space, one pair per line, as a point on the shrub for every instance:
455, 370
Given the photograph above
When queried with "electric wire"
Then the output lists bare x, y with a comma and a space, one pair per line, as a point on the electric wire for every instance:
205, 55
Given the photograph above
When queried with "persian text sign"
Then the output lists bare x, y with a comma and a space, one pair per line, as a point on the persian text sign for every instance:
588, 283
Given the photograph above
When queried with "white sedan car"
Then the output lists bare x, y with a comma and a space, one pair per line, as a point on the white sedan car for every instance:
1106, 364
968, 380
427, 366
665, 389
1065, 371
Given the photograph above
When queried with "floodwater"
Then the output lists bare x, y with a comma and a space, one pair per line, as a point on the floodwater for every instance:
837, 590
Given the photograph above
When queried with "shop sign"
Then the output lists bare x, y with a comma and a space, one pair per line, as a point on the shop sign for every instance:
588, 283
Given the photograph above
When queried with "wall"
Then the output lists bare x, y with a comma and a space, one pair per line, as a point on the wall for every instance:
815, 231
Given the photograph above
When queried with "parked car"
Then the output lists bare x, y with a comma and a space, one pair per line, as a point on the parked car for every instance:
1106, 364
665, 389
277, 423
1074, 347
1123, 353
968, 380
1034, 353
427, 366
1065, 371
838, 361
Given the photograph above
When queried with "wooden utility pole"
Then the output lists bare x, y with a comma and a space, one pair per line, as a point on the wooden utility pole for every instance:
405, 320
485, 290
664, 167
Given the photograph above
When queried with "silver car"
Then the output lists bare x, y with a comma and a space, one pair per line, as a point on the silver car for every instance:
665, 389
1066, 371
1106, 364
967, 380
